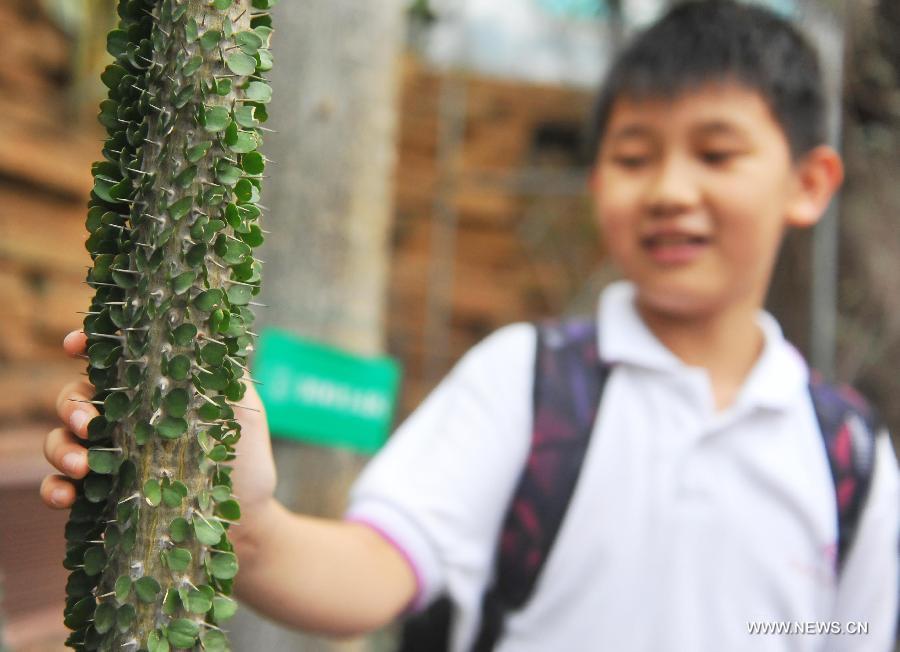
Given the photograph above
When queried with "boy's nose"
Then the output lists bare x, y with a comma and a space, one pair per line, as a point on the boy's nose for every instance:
672, 189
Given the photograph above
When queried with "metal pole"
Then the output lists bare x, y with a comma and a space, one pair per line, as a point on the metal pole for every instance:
439, 306
830, 36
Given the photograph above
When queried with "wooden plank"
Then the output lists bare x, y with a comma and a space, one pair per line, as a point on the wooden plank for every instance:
29, 391
45, 151
41, 233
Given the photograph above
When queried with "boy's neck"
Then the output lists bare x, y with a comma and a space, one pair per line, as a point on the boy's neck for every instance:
726, 343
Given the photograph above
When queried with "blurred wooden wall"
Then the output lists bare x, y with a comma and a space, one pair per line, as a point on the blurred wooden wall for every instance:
522, 252
45, 157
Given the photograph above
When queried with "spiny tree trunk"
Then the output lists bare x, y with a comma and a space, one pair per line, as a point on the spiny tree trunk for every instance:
173, 222
330, 200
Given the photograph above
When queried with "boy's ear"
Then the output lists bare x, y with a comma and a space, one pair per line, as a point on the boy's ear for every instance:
817, 176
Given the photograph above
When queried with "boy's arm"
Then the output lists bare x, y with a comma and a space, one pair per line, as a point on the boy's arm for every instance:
868, 589
329, 577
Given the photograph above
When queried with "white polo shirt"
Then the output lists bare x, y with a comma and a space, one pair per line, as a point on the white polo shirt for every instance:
687, 526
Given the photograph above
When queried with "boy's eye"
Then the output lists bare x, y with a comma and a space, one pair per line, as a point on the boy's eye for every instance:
630, 160
717, 157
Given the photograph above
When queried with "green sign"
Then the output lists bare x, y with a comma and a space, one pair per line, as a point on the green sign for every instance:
323, 395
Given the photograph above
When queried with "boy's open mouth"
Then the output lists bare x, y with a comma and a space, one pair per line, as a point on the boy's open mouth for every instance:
674, 248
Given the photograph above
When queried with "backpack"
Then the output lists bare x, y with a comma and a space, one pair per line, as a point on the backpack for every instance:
568, 386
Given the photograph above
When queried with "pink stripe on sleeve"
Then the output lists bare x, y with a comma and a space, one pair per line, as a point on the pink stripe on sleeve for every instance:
413, 605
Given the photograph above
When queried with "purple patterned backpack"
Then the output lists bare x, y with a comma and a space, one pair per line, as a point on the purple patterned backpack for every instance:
568, 387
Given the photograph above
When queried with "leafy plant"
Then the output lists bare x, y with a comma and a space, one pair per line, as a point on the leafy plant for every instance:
173, 220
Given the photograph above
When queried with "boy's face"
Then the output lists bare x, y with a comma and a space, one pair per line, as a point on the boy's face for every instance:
694, 194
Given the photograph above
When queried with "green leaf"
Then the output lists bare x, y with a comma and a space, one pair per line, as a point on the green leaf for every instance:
103, 461
97, 487
97, 428
253, 163
227, 174
239, 295
122, 588
206, 531
112, 76
116, 406
124, 617
183, 282
223, 565
195, 255
216, 118
229, 509
191, 31
171, 427
104, 617
218, 454
245, 116
186, 177
197, 152
221, 493
152, 492
223, 608
253, 237
214, 641
223, 86
181, 207
104, 355
142, 432
184, 334
176, 402
240, 63
192, 66
210, 39
182, 633
116, 42
179, 367
217, 379
249, 43
171, 603
241, 142
171, 498
208, 300
94, 560
80, 612
222, 5
265, 34
213, 353
265, 60
147, 588
178, 559
244, 190
198, 602
259, 92
156, 642
179, 529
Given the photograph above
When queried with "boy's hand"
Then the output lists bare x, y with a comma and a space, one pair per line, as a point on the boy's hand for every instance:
254, 468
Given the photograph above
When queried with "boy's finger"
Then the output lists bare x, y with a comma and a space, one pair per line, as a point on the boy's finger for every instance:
75, 343
65, 454
74, 408
57, 492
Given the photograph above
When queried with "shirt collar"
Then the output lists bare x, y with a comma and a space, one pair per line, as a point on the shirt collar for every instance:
778, 374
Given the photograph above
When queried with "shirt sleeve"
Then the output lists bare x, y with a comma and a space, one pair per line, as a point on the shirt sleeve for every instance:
868, 590
439, 489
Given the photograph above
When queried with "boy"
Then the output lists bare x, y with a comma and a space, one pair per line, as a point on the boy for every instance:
705, 502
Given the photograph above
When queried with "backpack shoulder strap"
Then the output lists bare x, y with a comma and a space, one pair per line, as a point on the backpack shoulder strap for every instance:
568, 383
849, 426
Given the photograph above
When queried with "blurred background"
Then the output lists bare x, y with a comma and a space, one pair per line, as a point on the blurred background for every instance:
428, 186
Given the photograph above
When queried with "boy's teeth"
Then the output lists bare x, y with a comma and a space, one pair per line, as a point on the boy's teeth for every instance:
674, 239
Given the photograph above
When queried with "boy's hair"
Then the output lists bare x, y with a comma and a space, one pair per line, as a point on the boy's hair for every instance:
704, 42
